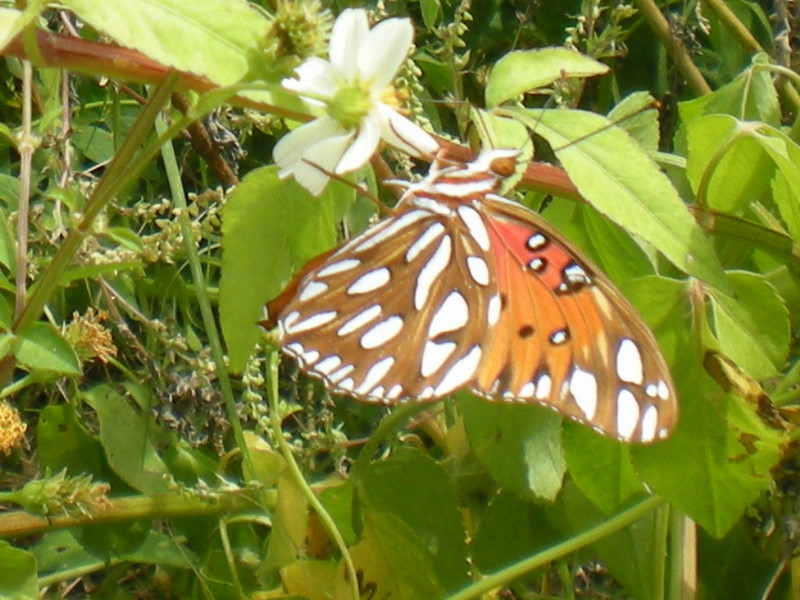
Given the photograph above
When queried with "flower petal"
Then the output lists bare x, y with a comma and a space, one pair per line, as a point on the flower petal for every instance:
315, 77
289, 150
383, 51
313, 172
399, 132
347, 38
362, 148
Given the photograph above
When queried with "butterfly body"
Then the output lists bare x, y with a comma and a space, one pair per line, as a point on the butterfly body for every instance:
464, 289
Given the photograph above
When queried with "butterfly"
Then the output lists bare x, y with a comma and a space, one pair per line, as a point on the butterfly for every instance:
461, 288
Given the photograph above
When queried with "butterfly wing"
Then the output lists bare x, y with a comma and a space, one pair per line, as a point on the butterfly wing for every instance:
394, 314
566, 337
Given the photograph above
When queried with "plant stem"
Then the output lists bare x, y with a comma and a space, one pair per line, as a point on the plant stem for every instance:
210, 324
19, 524
325, 518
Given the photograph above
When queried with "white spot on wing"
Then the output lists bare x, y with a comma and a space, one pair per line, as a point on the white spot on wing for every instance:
651, 389
478, 269
312, 289
295, 349
426, 239
290, 319
365, 316
328, 364
346, 385
431, 270
527, 391
393, 226
381, 333
663, 390
544, 386
369, 282
310, 357
627, 413
493, 312
649, 424
376, 372
629, 362
536, 241
341, 373
338, 267
583, 386
452, 314
475, 226
433, 357
460, 372
312, 322
394, 392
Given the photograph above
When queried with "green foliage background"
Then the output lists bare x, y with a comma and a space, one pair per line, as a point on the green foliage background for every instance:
159, 462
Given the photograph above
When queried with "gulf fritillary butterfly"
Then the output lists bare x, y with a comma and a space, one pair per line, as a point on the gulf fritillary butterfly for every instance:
464, 289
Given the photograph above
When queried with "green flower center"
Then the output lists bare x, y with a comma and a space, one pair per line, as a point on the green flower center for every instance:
350, 105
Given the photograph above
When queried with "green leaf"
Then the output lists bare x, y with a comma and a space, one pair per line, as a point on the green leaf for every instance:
395, 563
17, 574
62, 442
631, 554
289, 526
216, 39
520, 445
753, 327
749, 97
40, 347
125, 436
312, 580
637, 114
510, 529
392, 487
270, 229
525, 70
726, 164
786, 186
708, 469
600, 467
733, 567
620, 180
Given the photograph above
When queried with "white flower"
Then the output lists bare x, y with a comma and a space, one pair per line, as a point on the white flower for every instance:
352, 87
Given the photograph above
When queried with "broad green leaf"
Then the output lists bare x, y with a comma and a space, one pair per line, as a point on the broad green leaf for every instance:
8, 256
40, 347
663, 305
113, 540
708, 469
732, 567
786, 185
395, 563
62, 442
125, 435
600, 467
753, 326
312, 579
431, 12
619, 179
520, 445
510, 529
526, 70
216, 39
726, 164
289, 527
17, 574
270, 229
749, 97
633, 555
392, 487
637, 115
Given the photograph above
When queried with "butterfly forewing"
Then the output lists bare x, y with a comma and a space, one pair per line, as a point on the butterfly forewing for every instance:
387, 313
465, 289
